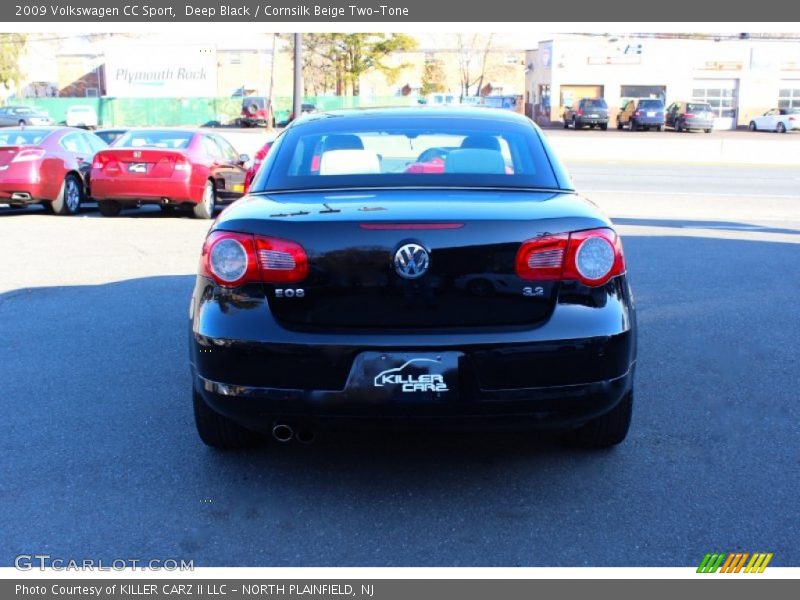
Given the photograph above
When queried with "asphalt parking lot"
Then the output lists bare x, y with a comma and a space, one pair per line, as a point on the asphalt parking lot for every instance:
101, 459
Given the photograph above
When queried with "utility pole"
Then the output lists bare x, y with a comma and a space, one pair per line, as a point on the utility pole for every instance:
272, 83
298, 75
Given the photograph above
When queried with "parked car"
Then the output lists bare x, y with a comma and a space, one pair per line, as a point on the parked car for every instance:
777, 119
17, 116
305, 109
110, 135
337, 294
588, 111
82, 116
169, 167
257, 160
645, 113
685, 116
256, 112
47, 165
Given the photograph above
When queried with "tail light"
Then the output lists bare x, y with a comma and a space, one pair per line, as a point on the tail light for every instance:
580, 113
181, 164
234, 259
105, 162
688, 116
638, 113
591, 257
28, 154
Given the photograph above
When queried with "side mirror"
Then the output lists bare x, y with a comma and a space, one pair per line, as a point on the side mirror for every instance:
244, 158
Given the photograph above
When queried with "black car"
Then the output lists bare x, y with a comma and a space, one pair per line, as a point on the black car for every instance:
589, 111
685, 116
337, 292
111, 134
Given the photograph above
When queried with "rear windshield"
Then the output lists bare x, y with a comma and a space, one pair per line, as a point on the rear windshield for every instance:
698, 107
22, 137
595, 103
440, 151
650, 103
155, 139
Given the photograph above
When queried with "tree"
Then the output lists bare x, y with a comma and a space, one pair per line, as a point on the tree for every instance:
349, 56
473, 52
11, 48
433, 78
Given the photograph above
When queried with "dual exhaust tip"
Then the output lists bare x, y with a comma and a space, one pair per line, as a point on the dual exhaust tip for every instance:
284, 433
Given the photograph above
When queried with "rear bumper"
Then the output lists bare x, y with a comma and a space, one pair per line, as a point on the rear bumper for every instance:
20, 191
151, 191
698, 124
601, 120
559, 375
649, 121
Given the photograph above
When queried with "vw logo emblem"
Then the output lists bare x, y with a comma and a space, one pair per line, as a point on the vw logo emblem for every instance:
411, 261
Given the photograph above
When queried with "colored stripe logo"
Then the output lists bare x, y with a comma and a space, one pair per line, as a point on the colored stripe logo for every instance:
735, 562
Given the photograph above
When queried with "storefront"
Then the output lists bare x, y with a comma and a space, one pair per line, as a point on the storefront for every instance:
739, 78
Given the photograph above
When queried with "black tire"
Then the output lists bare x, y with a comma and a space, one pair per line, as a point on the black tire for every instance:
70, 197
566, 124
780, 128
218, 431
22, 123
603, 126
752, 126
168, 209
606, 430
707, 130
660, 128
575, 124
205, 208
109, 208
632, 125
619, 124
678, 126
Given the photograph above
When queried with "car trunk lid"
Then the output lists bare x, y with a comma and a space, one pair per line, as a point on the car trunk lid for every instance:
381, 261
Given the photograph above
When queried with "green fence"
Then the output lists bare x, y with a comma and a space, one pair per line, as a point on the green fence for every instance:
147, 112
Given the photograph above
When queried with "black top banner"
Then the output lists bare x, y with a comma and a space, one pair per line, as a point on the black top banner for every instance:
398, 11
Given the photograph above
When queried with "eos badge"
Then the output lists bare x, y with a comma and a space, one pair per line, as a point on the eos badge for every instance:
290, 293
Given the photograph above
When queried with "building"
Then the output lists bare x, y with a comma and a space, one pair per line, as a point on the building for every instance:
739, 76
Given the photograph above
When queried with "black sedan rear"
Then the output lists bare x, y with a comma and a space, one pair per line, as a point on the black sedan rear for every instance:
368, 282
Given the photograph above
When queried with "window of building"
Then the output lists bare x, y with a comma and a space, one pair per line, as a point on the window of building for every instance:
789, 94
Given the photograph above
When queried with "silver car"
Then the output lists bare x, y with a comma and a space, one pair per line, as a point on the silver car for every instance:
14, 116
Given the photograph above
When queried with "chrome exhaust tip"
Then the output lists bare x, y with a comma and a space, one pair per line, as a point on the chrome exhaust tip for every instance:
282, 432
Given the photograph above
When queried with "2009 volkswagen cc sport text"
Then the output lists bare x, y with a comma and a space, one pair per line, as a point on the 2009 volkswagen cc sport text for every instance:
412, 267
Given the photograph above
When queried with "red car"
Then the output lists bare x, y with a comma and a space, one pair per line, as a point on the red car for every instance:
257, 160
169, 167
48, 165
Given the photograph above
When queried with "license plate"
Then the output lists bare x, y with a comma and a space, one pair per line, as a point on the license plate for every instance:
238, 187
593, 116
137, 168
405, 376
651, 113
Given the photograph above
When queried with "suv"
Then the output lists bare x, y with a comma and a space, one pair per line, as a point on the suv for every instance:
256, 112
644, 113
589, 111
684, 116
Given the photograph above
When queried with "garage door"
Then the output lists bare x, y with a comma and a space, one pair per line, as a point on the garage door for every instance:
722, 95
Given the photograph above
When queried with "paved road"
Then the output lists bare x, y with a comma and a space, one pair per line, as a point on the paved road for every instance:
100, 458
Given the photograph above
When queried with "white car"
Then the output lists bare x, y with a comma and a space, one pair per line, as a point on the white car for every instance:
81, 116
777, 119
